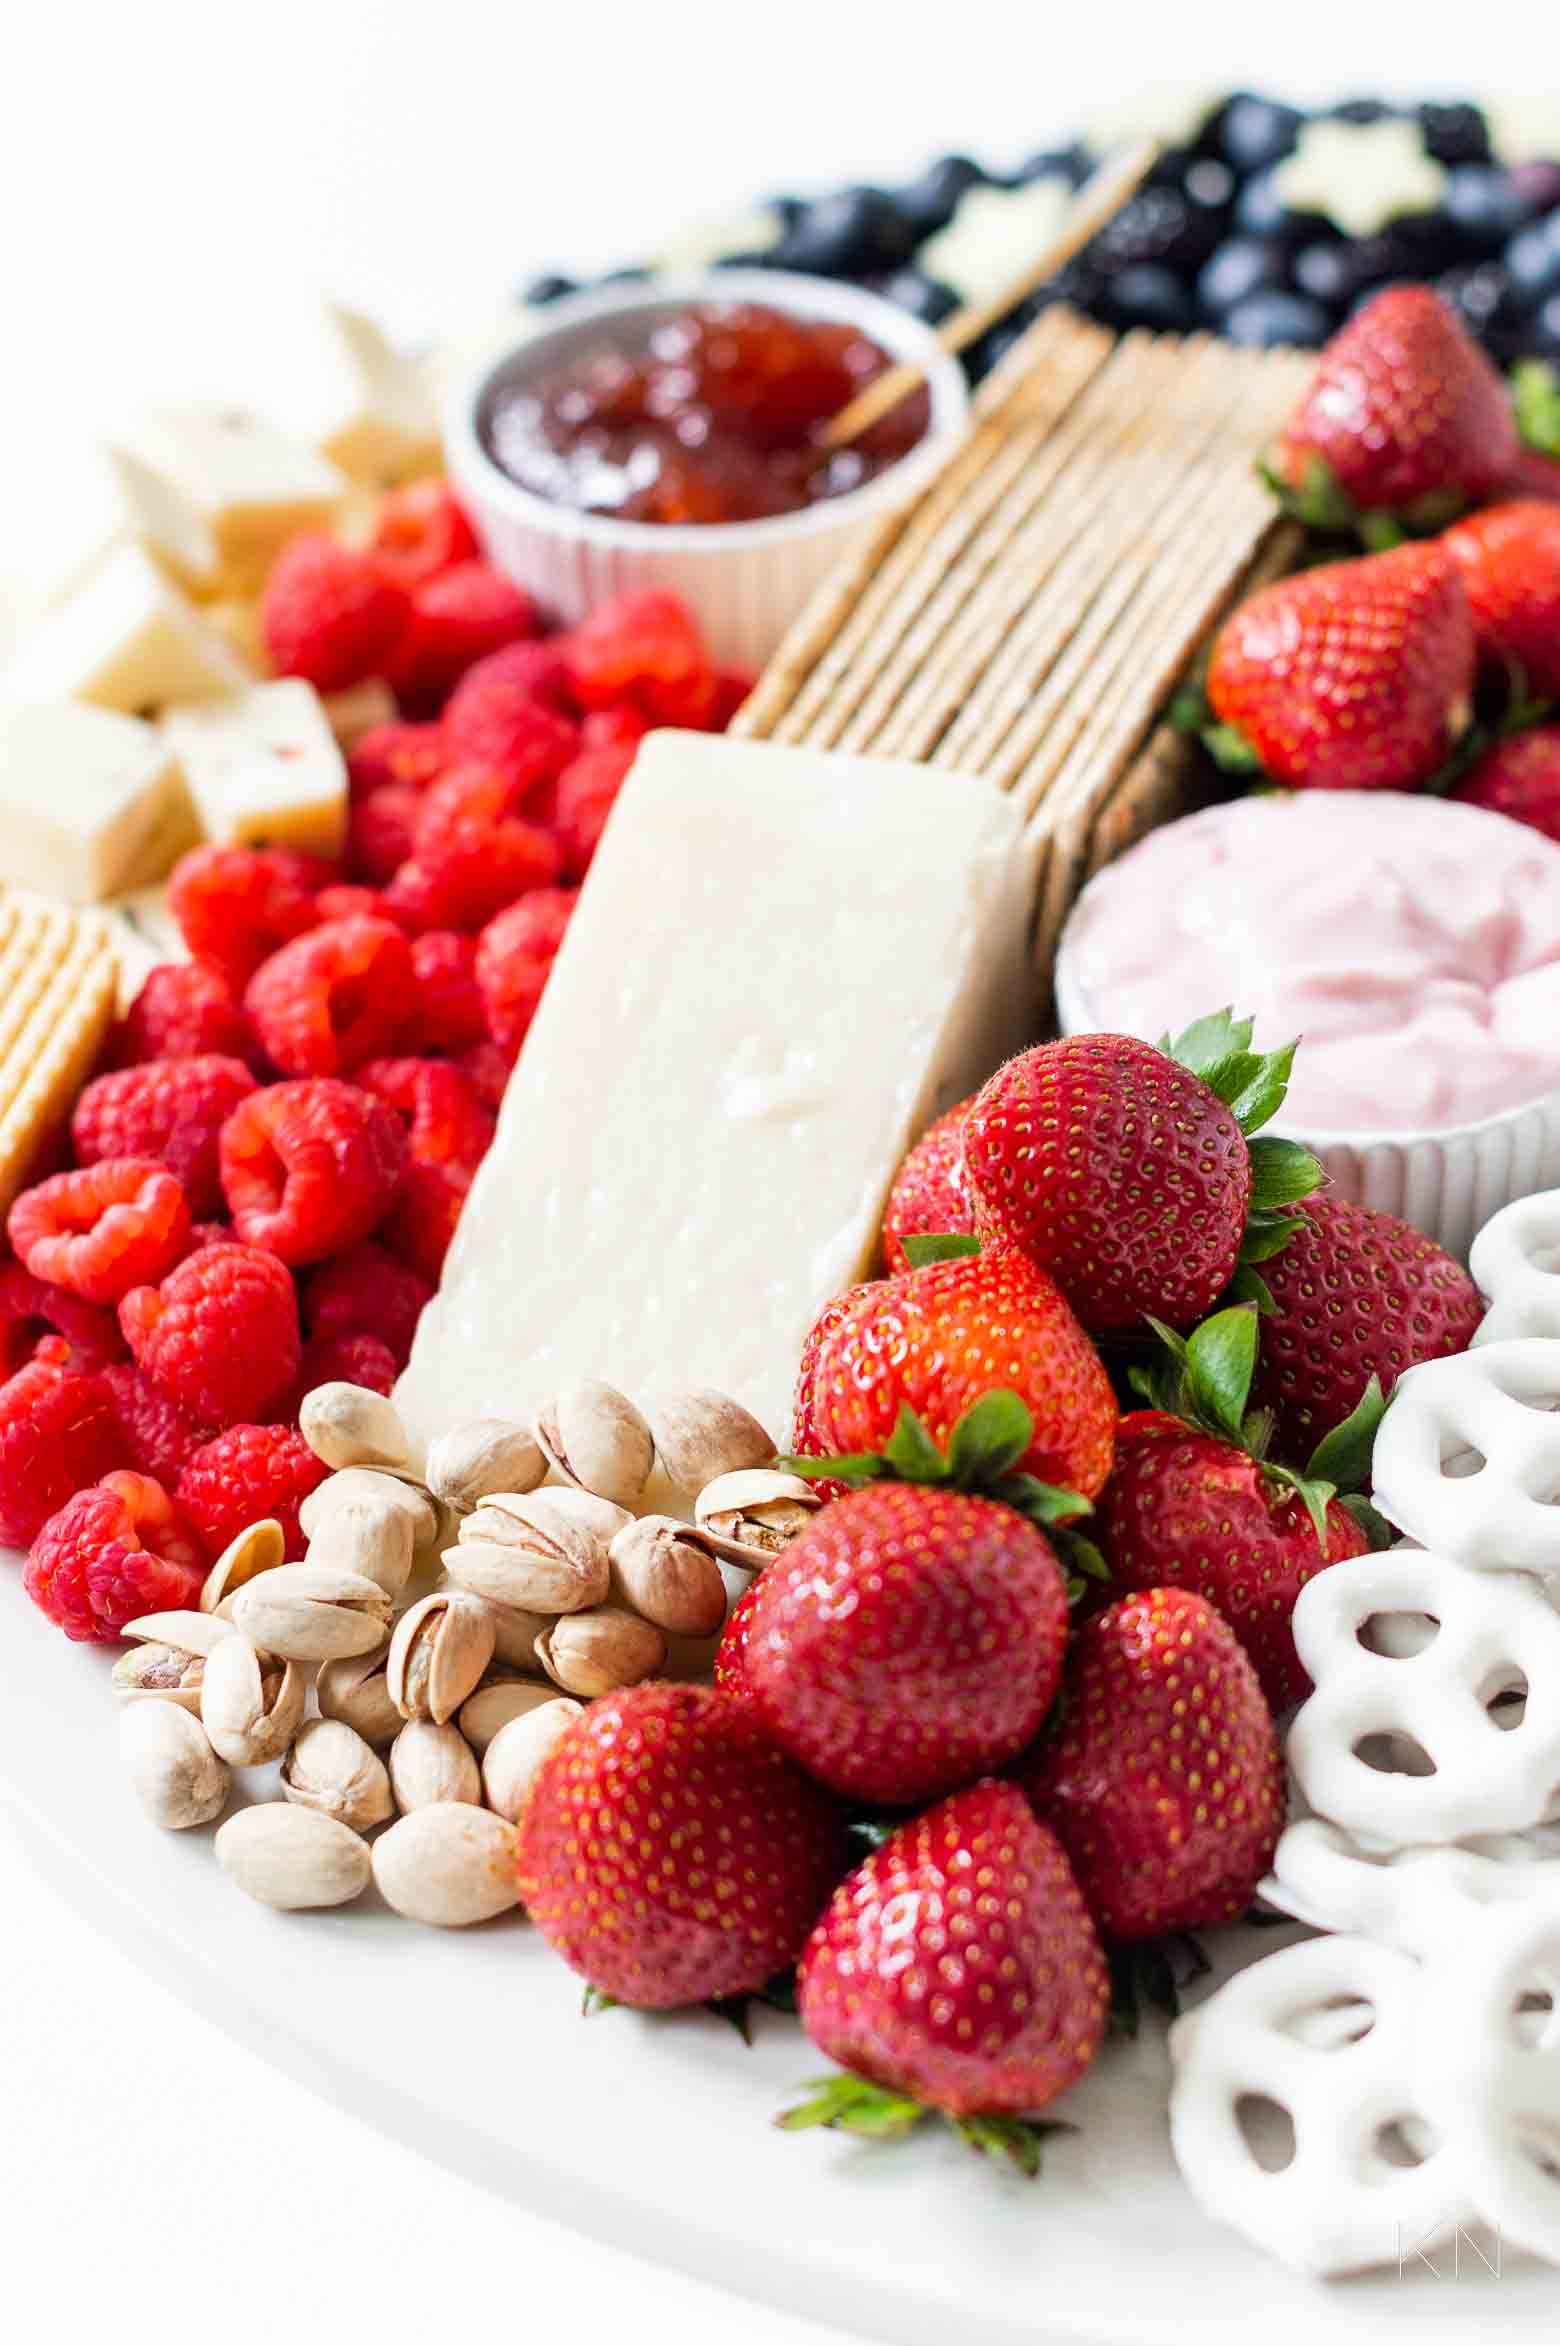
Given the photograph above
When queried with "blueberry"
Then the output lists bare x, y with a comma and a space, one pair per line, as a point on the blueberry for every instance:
1454, 133
1070, 163
1157, 224
998, 340
1483, 296
1270, 317
852, 233
1209, 186
1149, 294
1257, 132
923, 297
1245, 265
1545, 334
1363, 111
1328, 271
928, 202
1484, 205
1533, 259
632, 273
538, 291
1260, 211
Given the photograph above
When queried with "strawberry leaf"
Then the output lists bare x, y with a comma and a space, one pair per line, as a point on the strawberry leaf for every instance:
1230, 751
923, 1247
1018, 2140
1282, 1173
1044, 1503
854, 2106
1380, 531
1318, 502
1343, 1456
982, 1455
1259, 1101
1372, 1523
1189, 712
1317, 1497
988, 1441
1535, 395
1208, 1042
1082, 1562
1220, 1360
911, 1454
851, 1466
1249, 1286
1267, 1234
596, 2000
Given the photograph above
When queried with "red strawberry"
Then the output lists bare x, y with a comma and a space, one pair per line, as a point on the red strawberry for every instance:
1164, 1779
1405, 419
910, 1640
1519, 777
956, 1970
1509, 557
1534, 475
669, 1853
930, 1193
939, 1338
1354, 676
1357, 1294
1535, 396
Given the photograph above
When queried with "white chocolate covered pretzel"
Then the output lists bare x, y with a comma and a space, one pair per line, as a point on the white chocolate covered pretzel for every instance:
1515, 1261
1419, 1900
1467, 1458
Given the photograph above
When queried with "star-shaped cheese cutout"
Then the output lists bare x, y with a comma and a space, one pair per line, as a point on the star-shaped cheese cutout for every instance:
1360, 175
1525, 129
993, 234
1172, 111
704, 242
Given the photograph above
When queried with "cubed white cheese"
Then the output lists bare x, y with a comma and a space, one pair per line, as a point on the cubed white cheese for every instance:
782, 965
265, 769
358, 710
90, 802
126, 638
161, 518
251, 485
366, 406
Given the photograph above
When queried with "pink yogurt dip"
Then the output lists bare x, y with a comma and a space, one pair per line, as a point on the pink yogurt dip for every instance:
1414, 944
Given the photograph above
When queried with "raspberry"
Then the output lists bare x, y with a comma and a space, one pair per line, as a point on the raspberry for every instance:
504, 716
456, 619
57, 1431
185, 1010
488, 1069
243, 1474
421, 531
311, 1167
111, 1553
220, 1336
366, 1292
157, 1436
380, 830
39, 1321
515, 954
425, 1216
538, 668
646, 649
587, 793
348, 1360
336, 996
617, 728
102, 1230
446, 1123
732, 687
348, 902
172, 1111
448, 1009
236, 905
331, 613
472, 855
397, 752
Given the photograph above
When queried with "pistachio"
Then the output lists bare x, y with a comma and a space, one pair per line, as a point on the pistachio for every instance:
515, 1632
482, 1714
758, 1511
259, 1548
450, 1864
293, 1857
438, 1654
250, 1706
187, 1633
365, 1482
371, 1535
348, 1425
162, 1672
330, 1768
512, 1759
594, 1436
173, 1771
533, 1553
665, 1571
308, 1613
595, 1653
429, 1763
702, 1434
354, 1690
484, 1455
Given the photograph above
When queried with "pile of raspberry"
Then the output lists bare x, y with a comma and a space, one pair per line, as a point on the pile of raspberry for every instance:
261, 1183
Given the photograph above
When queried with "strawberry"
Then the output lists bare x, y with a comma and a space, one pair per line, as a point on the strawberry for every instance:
1534, 475
1124, 1171
941, 1337
1193, 1502
956, 1970
912, 1637
1404, 425
1356, 1294
1354, 676
669, 1853
1163, 1781
1509, 557
1535, 395
1519, 777
930, 1193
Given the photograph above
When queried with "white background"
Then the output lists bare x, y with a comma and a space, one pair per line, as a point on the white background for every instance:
173, 178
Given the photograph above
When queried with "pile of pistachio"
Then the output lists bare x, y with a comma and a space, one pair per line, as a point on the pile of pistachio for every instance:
449, 1620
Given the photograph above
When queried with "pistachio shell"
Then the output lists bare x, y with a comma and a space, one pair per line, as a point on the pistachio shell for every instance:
486, 1454
348, 1425
450, 1864
291, 1857
665, 1572
330, 1768
482, 1714
438, 1654
251, 1709
310, 1613
512, 1759
370, 1534
429, 1763
260, 1547
354, 1690
702, 1434
163, 1673
595, 1653
363, 1482
594, 1436
175, 1774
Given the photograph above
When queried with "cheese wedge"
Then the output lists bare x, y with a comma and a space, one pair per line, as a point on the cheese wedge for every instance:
369, 408
265, 769
126, 639
167, 523
90, 802
783, 965
251, 486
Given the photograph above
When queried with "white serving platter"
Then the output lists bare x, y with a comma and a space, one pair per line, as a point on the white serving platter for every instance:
653, 2134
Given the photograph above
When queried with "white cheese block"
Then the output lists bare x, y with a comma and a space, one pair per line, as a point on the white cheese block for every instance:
126, 638
161, 518
366, 406
1360, 175
90, 802
359, 709
994, 233
782, 965
264, 769
252, 486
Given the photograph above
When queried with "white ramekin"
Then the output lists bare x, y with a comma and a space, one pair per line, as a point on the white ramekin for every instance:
1447, 1183
746, 580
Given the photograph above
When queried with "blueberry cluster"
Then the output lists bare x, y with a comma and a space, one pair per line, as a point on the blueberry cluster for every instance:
1215, 237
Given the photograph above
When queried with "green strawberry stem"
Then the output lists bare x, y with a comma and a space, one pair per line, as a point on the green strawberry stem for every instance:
1535, 395
853, 2105
1323, 505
